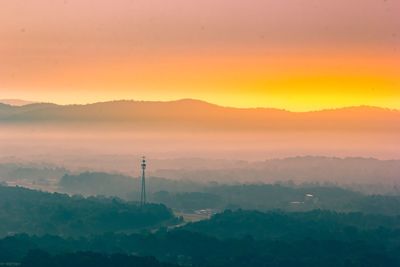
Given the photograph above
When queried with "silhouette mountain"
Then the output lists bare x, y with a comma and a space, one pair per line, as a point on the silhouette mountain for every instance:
194, 114
15, 102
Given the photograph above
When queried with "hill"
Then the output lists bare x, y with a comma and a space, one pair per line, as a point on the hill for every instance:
191, 128
188, 196
34, 212
241, 238
15, 102
100, 183
194, 114
345, 171
277, 225
90, 259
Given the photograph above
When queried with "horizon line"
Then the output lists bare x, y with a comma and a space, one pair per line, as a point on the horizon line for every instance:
29, 102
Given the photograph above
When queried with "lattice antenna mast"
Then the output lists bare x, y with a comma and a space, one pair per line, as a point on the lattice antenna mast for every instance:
143, 194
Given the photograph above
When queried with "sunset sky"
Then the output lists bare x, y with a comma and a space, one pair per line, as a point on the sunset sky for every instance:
295, 54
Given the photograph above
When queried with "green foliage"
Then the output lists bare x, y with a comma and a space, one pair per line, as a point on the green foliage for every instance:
189, 196
89, 259
278, 225
242, 238
266, 197
112, 229
27, 211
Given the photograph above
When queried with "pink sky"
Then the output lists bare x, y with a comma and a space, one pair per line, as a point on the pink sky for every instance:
85, 51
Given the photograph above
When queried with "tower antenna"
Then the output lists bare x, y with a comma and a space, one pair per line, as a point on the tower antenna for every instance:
143, 194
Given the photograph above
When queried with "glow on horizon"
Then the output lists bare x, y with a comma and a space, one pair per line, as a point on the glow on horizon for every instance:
291, 82
239, 104
297, 55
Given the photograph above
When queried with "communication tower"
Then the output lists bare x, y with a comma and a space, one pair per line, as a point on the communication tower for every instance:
143, 194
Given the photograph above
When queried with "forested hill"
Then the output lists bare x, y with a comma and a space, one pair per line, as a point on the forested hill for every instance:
234, 239
278, 225
89, 259
189, 114
189, 196
34, 212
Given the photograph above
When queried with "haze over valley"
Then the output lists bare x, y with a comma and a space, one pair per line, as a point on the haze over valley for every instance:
191, 129
179, 133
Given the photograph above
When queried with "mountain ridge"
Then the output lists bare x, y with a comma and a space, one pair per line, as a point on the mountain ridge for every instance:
190, 101
192, 114
16, 102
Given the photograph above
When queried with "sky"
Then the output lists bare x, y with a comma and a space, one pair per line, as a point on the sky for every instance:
297, 55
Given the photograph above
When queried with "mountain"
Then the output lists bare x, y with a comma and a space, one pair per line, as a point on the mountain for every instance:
344, 171
36, 212
197, 115
15, 102
192, 128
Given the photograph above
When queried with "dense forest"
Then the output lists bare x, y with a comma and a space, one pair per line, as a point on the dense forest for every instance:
238, 238
189, 196
33, 212
89, 259
253, 225
278, 225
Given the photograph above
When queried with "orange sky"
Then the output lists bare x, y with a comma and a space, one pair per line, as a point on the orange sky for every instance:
295, 54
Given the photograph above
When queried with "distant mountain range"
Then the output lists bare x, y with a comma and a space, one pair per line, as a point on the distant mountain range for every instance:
194, 115
15, 102
297, 169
